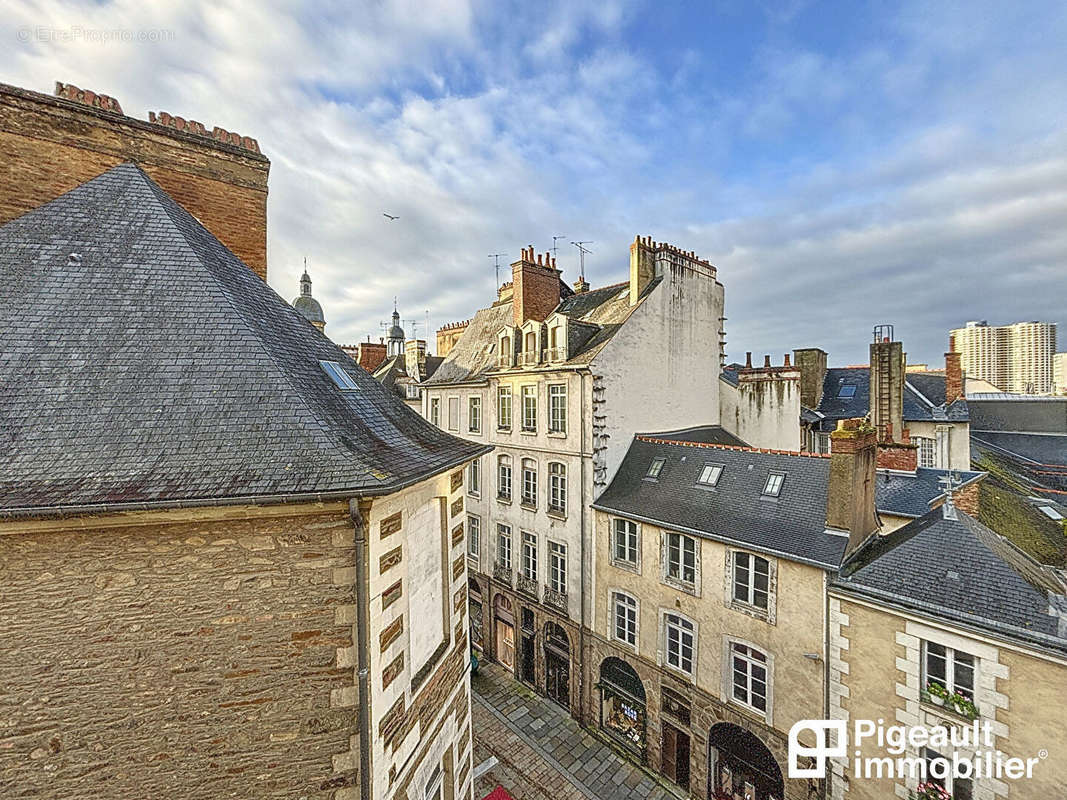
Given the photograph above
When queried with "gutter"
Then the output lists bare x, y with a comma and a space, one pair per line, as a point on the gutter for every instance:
362, 646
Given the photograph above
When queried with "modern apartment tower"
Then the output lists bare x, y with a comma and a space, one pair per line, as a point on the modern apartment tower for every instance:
1016, 358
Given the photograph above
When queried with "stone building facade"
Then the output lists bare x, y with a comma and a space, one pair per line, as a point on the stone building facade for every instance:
51, 143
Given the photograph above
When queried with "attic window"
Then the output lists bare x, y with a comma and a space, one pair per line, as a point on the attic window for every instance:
1050, 512
773, 487
655, 467
340, 377
710, 474
847, 391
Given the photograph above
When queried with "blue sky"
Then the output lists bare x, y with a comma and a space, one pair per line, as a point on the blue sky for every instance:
843, 164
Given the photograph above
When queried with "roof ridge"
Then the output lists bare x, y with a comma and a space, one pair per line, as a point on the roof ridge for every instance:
711, 445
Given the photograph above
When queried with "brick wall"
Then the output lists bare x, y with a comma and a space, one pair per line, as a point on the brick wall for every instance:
49, 145
204, 659
536, 286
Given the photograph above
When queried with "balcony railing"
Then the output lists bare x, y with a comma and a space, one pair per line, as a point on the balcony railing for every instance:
555, 599
530, 357
502, 573
527, 586
504, 362
557, 354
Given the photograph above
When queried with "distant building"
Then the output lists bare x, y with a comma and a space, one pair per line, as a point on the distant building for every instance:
368, 354
1015, 358
308, 306
1059, 373
402, 374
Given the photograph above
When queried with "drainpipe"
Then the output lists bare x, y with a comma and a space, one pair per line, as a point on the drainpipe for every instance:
581, 627
362, 647
827, 784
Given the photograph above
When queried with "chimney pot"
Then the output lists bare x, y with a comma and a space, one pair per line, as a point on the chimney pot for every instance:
748, 360
787, 359
766, 362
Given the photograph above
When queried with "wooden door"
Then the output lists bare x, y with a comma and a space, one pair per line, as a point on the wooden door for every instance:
674, 760
505, 643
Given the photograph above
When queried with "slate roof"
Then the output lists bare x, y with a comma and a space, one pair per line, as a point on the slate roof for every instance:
395, 367
704, 434
924, 397
910, 495
792, 525
155, 366
1018, 414
962, 571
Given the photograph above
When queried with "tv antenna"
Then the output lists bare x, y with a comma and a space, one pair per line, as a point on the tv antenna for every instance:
554, 240
582, 250
496, 265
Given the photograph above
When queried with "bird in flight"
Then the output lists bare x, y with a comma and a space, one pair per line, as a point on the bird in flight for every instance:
389, 215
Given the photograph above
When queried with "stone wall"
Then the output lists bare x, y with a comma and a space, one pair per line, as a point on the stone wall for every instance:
49, 145
201, 658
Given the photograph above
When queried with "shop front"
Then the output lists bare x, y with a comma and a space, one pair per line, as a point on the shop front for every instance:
623, 712
557, 665
741, 766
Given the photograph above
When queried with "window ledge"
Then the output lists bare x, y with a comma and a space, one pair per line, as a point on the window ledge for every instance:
505, 500
475, 495
527, 506
556, 514
629, 566
755, 713
688, 588
528, 432
557, 434
750, 611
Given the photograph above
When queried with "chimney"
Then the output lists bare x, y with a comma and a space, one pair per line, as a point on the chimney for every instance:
953, 377
887, 388
581, 286
811, 362
642, 266
370, 355
850, 501
536, 287
415, 356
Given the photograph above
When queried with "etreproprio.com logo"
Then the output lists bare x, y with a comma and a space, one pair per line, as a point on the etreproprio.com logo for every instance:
965, 752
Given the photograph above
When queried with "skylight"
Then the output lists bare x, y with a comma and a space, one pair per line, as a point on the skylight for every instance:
847, 391
709, 476
1050, 512
340, 377
655, 467
773, 487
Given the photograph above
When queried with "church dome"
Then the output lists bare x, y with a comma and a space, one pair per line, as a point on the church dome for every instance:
309, 307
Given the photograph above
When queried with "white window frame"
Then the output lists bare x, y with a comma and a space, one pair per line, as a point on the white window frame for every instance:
453, 413
667, 546
474, 478
435, 411
503, 545
505, 478
557, 567
632, 531
710, 474
774, 483
927, 455
529, 409
474, 414
628, 621
474, 536
749, 593
529, 555
951, 682
557, 488
557, 408
528, 490
948, 783
750, 663
685, 627
655, 467
503, 404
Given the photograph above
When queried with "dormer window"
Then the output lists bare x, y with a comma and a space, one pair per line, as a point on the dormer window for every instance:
531, 351
557, 339
773, 487
710, 474
506, 355
655, 467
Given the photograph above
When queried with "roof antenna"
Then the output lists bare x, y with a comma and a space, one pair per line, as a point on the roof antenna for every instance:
496, 265
554, 240
950, 481
582, 250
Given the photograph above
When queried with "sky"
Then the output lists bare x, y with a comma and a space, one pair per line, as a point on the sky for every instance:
842, 164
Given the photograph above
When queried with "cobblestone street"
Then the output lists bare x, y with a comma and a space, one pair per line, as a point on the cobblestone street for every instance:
542, 753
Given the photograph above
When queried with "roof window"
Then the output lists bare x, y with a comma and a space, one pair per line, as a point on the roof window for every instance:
655, 467
710, 474
773, 487
846, 391
340, 377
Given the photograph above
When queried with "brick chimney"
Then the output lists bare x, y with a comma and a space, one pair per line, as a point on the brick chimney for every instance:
811, 362
850, 500
887, 389
953, 377
642, 266
536, 286
370, 355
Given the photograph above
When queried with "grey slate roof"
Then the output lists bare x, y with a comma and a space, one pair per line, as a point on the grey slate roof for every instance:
910, 495
156, 366
705, 434
309, 308
792, 525
924, 397
962, 571
1019, 414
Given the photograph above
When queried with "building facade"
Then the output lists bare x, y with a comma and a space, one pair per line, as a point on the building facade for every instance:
557, 381
1016, 358
234, 563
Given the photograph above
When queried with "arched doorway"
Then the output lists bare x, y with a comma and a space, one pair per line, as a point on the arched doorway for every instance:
474, 611
557, 665
504, 631
622, 704
741, 766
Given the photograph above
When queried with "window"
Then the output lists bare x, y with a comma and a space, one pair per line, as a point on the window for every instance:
503, 408
474, 536
503, 546
820, 442
939, 772
529, 408
453, 413
557, 567
773, 487
412, 391
846, 391
952, 669
340, 377
529, 556
435, 411
474, 414
625, 627
748, 676
529, 482
927, 453
624, 545
557, 488
751, 580
710, 474
503, 478
557, 408
506, 352
680, 638
680, 557
474, 478
655, 467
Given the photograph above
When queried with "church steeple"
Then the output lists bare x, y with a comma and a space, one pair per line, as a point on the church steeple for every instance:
307, 305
